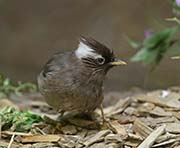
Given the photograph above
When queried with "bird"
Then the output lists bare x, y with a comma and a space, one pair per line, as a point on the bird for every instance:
72, 81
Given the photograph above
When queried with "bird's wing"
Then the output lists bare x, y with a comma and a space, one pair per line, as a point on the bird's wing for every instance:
54, 64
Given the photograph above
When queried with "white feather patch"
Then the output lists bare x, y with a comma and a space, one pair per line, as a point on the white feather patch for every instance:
84, 51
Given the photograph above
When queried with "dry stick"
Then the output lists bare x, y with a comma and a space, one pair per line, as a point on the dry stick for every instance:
149, 141
8, 133
11, 141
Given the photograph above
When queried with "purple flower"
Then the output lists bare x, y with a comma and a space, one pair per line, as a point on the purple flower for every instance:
148, 34
178, 3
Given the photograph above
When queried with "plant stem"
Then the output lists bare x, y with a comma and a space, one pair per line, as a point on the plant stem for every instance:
147, 75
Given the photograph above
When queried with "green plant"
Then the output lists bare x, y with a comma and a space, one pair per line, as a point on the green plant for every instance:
176, 6
153, 48
7, 87
19, 121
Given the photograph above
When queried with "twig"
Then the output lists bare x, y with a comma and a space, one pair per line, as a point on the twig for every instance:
11, 141
15, 133
39, 130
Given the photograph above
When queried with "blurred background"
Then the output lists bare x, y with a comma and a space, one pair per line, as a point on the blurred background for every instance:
31, 31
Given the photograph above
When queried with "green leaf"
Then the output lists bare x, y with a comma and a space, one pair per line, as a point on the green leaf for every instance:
133, 43
140, 55
145, 56
18, 121
7, 82
155, 47
176, 8
7, 88
159, 37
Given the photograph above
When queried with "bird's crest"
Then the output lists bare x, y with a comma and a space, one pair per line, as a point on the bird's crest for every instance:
90, 47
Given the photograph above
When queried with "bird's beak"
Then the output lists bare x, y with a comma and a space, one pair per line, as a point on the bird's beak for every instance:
117, 62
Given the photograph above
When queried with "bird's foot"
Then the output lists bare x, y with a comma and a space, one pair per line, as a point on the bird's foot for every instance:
105, 122
61, 116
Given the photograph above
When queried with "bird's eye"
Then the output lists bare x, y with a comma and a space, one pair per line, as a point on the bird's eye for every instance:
112, 59
100, 60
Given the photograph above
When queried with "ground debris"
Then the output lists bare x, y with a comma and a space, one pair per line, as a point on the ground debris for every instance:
113, 138
141, 129
83, 123
97, 137
150, 140
145, 119
158, 111
173, 128
118, 129
40, 138
69, 130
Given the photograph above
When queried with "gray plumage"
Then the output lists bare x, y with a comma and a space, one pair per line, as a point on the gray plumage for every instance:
70, 83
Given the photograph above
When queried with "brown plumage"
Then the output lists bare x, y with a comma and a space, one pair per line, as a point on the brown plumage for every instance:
73, 81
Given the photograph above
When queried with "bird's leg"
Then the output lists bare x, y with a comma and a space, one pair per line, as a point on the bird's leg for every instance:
61, 115
105, 122
102, 113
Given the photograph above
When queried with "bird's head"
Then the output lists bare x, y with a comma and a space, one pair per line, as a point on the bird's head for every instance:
96, 56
